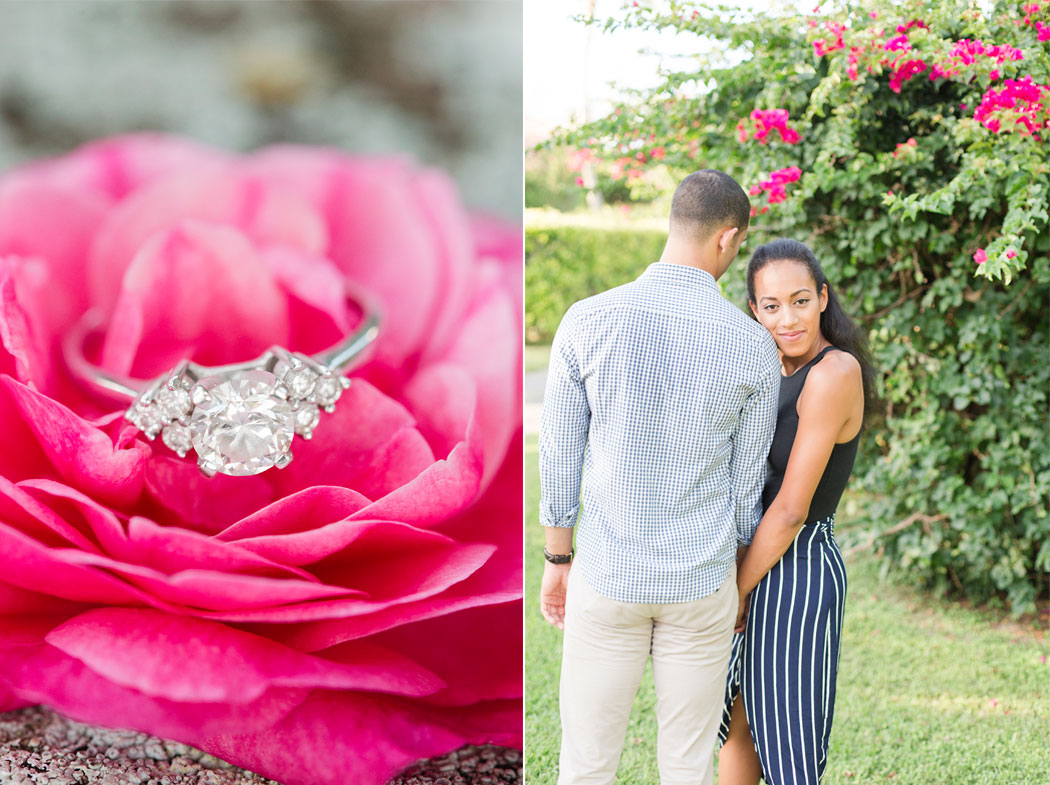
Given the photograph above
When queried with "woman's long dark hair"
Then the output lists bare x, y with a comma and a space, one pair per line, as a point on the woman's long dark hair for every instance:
836, 326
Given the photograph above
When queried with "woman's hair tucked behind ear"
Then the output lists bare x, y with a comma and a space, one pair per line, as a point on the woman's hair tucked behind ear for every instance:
836, 326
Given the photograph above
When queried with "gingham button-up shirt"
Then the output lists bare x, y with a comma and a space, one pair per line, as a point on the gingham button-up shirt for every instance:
664, 394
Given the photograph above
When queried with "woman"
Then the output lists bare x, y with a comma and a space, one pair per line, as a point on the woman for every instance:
780, 695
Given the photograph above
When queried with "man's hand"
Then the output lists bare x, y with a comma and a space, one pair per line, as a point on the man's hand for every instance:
741, 613
553, 590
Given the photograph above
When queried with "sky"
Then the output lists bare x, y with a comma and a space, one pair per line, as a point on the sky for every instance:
558, 76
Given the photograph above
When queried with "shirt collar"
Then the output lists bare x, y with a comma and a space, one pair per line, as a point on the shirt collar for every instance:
679, 273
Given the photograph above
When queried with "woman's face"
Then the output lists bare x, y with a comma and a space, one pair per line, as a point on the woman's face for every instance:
788, 304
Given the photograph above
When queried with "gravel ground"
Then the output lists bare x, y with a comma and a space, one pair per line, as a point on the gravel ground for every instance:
40, 747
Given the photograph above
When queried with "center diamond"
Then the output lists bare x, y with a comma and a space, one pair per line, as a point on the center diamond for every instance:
239, 426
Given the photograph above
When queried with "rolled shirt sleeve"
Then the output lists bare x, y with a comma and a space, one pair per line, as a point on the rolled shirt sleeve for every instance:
564, 424
751, 444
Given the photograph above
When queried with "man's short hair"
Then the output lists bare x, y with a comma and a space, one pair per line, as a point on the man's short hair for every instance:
709, 200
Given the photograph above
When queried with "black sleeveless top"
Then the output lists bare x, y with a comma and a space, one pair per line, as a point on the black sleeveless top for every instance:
840, 462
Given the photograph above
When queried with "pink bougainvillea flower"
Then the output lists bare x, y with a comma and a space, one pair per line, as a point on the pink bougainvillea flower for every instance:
327, 623
905, 148
776, 185
913, 23
823, 46
765, 121
578, 159
903, 70
1022, 103
980, 256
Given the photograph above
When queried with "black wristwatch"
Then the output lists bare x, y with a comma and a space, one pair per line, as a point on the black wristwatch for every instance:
558, 558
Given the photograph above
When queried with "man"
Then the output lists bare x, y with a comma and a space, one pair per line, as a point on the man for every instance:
664, 395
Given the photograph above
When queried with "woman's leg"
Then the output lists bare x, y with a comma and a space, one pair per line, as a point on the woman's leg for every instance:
738, 762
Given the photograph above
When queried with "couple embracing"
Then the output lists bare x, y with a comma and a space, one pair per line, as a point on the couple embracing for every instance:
713, 450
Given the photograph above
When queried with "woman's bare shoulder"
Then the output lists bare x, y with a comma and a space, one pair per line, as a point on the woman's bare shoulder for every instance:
838, 372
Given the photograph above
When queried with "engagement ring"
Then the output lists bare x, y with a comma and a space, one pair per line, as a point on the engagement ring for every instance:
239, 419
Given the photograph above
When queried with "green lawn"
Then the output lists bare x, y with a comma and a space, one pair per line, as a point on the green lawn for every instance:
927, 692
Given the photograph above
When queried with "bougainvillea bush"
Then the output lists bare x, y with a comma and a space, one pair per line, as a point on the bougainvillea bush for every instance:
909, 144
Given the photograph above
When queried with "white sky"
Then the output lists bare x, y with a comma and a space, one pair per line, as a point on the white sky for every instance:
557, 76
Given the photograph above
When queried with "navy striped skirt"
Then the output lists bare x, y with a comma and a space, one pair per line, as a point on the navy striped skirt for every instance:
785, 662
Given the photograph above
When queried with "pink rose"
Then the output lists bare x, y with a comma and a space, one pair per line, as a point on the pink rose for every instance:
330, 622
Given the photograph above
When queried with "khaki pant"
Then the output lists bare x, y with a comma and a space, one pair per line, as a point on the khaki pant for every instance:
606, 646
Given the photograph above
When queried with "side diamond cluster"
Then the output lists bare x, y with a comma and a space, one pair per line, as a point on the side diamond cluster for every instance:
165, 411
310, 388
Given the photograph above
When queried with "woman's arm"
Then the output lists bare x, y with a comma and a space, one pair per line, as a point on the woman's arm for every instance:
829, 400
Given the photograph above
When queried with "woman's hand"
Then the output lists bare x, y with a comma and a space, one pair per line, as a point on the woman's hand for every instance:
741, 613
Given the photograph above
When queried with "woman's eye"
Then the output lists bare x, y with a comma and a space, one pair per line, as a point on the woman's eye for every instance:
801, 302
771, 307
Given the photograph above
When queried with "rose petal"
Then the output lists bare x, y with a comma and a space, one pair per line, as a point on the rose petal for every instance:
497, 240
312, 632
368, 443
82, 454
301, 511
438, 201
497, 518
16, 600
177, 487
381, 237
313, 545
197, 291
53, 224
217, 194
63, 573
442, 398
110, 169
148, 650
447, 568
87, 515
23, 330
488, 347
364, 739
351, 737
381, 240
212, 590
170, 549
448, 486
23, 512
45, 675
317, 301
494, 667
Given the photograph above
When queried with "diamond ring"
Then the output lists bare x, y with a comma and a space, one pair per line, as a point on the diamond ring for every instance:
239, 419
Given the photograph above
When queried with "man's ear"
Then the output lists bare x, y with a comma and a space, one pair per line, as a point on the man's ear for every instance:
726, 237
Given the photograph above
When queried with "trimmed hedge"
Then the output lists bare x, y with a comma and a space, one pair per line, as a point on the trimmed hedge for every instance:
567, 263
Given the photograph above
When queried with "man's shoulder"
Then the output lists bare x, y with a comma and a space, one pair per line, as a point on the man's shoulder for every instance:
610, 297
750, 330
743, 328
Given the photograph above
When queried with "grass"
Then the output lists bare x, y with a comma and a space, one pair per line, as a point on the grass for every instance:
928, 692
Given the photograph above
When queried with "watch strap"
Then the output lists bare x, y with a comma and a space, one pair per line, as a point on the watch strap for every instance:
559, 558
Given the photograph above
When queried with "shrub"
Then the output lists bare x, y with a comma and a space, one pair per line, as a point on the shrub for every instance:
921, 137
567, 263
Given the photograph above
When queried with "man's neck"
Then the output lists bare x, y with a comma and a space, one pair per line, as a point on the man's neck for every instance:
689, 254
